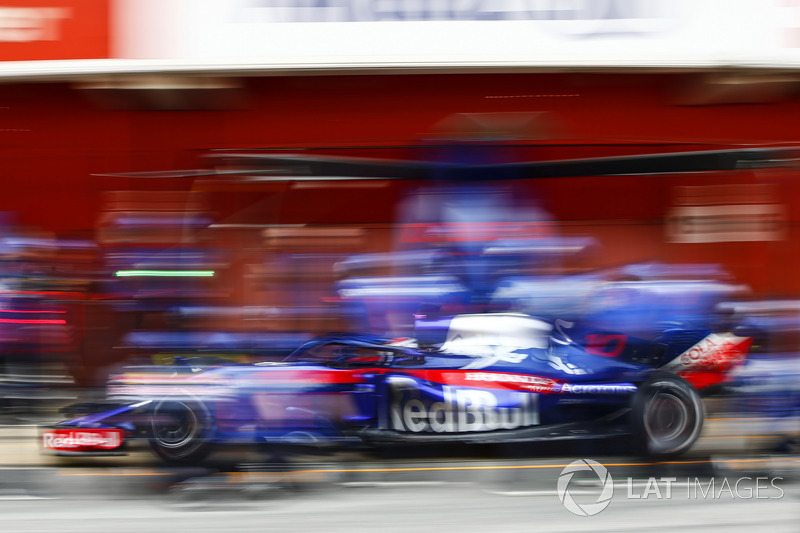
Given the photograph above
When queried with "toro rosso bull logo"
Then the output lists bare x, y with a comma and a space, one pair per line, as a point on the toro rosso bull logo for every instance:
458, 410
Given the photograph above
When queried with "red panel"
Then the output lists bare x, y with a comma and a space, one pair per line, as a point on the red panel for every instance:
54, 29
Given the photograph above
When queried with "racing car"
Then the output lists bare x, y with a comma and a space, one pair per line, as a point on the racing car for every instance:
475, 378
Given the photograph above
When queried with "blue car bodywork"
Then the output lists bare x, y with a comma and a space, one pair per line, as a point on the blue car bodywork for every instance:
470, 378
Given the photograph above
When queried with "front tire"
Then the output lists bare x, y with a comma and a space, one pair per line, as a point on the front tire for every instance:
667, 416
179, 431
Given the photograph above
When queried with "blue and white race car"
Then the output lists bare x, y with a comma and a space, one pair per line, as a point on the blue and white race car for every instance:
481, 378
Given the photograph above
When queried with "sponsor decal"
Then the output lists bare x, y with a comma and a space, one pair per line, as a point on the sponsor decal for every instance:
595, 388
571, 17
485, 379
516, 381
732, 212
81, 439
715, 352
459, 410
54, 29
605, 345
26, 24
724, 223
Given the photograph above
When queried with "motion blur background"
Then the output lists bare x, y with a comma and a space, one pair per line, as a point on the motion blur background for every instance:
139, 222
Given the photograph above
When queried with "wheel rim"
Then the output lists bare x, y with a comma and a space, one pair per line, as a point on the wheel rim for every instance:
667, 417
175, 427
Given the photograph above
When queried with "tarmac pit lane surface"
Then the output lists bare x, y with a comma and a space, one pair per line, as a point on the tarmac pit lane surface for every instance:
413, 493
399, 508
462, 495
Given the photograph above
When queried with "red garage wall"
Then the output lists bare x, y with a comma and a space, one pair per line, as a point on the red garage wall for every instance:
55, 138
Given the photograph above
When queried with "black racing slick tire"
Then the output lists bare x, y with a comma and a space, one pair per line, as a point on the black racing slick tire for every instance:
179, 431
667, 416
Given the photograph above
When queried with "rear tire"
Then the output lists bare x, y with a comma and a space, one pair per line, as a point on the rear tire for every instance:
179, 431
667, 416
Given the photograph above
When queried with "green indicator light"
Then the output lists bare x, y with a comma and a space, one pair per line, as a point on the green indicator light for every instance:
165, 273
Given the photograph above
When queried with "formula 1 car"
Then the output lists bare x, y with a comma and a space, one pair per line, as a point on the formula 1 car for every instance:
482, 378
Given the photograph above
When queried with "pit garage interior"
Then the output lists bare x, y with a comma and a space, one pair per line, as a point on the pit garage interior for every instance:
80, 151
